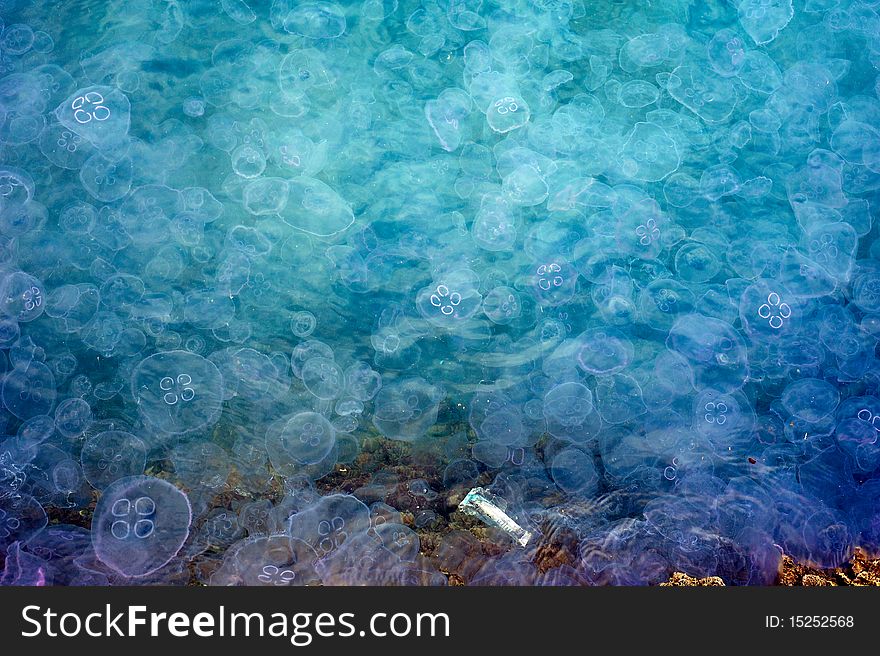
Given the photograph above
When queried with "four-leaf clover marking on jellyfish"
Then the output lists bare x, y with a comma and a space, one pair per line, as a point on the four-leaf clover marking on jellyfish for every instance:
311, 433
273, 575
33, 298
110, 460
445, 300
716, 412
648, 232
867, 416
823, 249
90, 107
665, 300
506, 105
331, 533
69, 141
133, 518
8, 524
177, 389
775, 311
548, 276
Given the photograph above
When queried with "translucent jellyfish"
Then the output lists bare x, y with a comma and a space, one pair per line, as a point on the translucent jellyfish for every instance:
73, 417
726, 52
139, 524
121, 291
446, 116
714, 349
265, 196
708, 95
828, 538
305, 351
329, 523
307, 438
274, 560
111, 455
760, 73
362, 382
764, 19
768, 311
833, 246
29, 390
177, 391
649, 154
554, 282
405, 409
503, 426
451, 299
524, 187
64, 147
639, 230
9, 332
21, 518
637, 93
239, 11
200, 465
248, 162
725, 418
21, 297
316, 20
303, 71
502, 305
494, 226
695, 262
208, 308
866, 291
323, 378
106, 179
619, 398
810, 399
664, 300
98, 113
507, 113
570, 413
303, 324
574, 472
316, 209
603, 351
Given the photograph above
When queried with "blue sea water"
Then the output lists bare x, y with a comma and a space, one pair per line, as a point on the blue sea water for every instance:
282, 282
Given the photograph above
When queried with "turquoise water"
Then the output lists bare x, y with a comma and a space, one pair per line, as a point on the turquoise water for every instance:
284, 283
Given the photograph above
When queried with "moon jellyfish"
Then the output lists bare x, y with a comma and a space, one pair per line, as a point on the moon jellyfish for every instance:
275, 560
177, 392
73, 417
139, 525
315, 208
316, 20
330, 522
573, 472
406, 409
570, 413
306, 437
21, 518
451, 299
29, 390
323, 378
98, 113
810, 399
764, 19
508, 113
649, 154
303, 324
111, 455
603, 351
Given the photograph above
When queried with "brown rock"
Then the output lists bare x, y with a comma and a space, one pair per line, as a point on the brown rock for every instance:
681, 580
